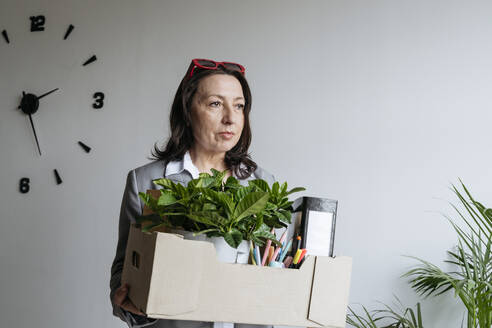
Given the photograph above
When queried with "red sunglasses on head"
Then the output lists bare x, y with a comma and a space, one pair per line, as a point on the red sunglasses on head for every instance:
212, 64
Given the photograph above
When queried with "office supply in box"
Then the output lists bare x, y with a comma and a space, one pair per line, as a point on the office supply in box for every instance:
314, 220
174, 278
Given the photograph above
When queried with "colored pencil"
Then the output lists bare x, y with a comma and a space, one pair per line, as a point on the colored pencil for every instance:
267, 249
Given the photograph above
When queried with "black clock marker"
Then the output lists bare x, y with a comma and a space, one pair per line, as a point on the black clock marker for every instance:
84, 146
37, 23
90, 60
5, 36
69, 30
57, 177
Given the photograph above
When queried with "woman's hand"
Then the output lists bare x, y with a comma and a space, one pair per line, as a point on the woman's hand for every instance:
121, 299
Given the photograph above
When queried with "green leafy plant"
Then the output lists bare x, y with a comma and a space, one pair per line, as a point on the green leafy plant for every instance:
394, 318
472, 282
209, 206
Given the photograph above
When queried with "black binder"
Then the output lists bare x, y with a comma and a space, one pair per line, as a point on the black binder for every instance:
314, 219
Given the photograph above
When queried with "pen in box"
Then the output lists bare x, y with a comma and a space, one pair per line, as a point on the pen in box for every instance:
298, 239
267, 248
270, 255
282, 238
285, 251
298, 264
257, 251
288, 261
252, 253
296, 257
281, 251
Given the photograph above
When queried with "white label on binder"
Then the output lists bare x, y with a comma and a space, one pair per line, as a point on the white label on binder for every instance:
318, 237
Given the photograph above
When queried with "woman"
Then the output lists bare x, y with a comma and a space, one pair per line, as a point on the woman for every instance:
210, 128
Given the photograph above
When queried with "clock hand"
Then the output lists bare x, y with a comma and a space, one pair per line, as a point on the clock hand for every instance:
47, 93
23, 95
35, 135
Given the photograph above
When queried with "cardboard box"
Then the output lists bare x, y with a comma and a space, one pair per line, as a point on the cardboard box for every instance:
174, 278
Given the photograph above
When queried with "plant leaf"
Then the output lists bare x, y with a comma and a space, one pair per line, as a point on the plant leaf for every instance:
166, 198
297, 189
260, 184
251, 204
233, 238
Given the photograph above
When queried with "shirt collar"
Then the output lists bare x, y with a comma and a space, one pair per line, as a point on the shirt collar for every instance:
186, 164
176, 167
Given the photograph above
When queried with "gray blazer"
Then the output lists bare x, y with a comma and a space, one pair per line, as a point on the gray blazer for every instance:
140, 180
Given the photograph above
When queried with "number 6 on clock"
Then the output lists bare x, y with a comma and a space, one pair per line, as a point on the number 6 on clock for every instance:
24, 185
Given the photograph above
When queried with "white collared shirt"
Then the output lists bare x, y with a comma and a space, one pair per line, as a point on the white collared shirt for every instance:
186, 163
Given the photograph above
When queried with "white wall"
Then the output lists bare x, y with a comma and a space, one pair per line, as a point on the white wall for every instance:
379, 104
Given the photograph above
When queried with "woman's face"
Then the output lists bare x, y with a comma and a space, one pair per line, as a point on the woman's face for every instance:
217, 113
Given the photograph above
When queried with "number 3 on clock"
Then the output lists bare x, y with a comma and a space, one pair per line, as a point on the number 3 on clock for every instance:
98, 100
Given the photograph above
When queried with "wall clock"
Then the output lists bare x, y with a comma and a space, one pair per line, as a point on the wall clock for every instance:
31, 104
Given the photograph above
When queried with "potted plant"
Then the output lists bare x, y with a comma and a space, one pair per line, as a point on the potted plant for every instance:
220, 211
471, 280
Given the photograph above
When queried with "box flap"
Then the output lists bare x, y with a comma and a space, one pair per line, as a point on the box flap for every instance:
172, 291
330, 291
138, 265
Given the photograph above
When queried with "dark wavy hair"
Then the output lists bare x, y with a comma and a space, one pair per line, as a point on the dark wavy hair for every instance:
237, 159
